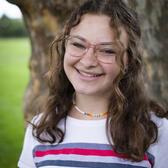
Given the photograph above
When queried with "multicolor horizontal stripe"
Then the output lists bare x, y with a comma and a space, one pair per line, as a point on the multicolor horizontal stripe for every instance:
83, 155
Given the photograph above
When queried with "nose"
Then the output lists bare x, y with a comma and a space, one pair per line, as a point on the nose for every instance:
89, 58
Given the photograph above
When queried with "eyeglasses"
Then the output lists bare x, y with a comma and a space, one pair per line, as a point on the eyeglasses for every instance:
105, 52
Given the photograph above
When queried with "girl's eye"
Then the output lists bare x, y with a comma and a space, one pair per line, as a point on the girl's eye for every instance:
78, 45
107, 51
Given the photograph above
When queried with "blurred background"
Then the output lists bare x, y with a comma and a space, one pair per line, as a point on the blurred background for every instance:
14, 75
27, 27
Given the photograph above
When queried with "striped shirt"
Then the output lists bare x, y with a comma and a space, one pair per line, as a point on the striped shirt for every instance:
85, 145
88, 155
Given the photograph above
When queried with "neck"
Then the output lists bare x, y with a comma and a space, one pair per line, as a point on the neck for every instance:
94, 107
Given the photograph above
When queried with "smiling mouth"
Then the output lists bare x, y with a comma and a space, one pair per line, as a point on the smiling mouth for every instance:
88, 74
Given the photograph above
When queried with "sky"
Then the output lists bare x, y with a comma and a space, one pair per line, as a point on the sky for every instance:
9, 9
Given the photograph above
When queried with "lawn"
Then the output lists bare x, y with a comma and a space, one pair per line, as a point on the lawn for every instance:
14, 76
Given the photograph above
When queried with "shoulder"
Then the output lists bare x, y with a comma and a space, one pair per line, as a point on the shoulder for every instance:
29, 138
162, 123
160, 148
26, 158
37, 119
30, 143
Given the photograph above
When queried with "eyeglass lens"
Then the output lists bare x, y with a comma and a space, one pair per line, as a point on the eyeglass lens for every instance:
105, 52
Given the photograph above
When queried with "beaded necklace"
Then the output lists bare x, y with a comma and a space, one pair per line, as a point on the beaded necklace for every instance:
89, 114
98, 115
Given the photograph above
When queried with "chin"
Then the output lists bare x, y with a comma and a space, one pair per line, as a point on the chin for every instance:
89, 92
85, 91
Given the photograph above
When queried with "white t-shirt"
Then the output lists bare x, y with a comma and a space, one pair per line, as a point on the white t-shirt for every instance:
85, 145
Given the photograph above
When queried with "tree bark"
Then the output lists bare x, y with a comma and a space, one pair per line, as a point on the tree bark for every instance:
153, 17
44, 19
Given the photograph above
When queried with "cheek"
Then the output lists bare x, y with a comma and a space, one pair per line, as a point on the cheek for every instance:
69, 60
66, 63
112, 70
66, 59
69, 64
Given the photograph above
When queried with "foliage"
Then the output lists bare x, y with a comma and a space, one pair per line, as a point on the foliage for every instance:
12, 27
14, 77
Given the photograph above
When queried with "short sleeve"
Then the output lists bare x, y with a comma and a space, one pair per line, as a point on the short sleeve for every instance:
26, 157
160, 148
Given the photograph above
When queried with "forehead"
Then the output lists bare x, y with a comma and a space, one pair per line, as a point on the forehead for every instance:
97, 28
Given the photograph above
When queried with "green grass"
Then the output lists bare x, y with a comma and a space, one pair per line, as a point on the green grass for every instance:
14, 76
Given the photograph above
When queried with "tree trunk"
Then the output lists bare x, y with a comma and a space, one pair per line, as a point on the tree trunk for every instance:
153, 17
44, 19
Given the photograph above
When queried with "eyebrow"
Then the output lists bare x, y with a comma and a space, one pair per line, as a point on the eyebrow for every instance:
79, 37
85, 40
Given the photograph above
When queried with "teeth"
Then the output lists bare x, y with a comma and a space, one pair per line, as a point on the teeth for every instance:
88, 75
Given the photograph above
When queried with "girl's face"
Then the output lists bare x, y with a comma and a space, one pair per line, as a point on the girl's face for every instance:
87, 73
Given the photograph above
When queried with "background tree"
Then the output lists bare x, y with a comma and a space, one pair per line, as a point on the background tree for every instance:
44, 19
12, 27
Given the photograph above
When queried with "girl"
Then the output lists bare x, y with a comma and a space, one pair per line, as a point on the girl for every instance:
97, 114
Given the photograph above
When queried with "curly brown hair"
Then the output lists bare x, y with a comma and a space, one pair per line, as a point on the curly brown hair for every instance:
129, 123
